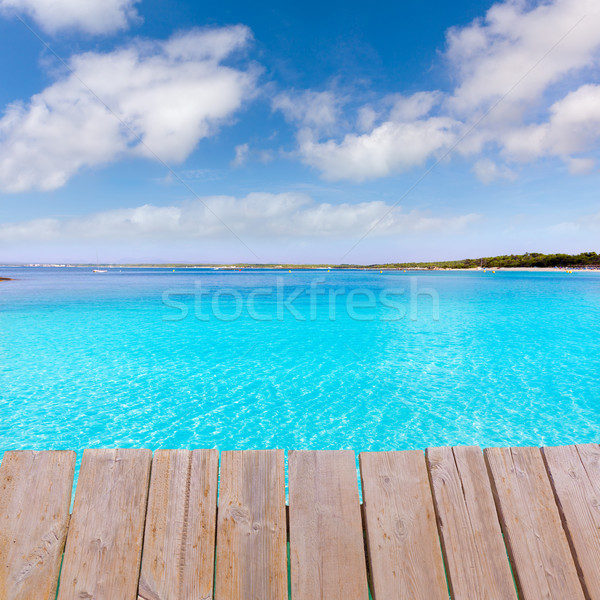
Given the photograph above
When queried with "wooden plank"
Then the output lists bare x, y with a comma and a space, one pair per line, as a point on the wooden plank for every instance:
476, 558
35, 496
251, 527
178, 559
535, 538
405, 557
104, 545
326, 539
575, 475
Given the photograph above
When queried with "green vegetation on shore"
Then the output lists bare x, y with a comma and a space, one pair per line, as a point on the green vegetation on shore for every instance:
527, 260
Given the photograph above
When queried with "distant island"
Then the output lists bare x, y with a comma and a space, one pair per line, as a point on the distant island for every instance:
533, 260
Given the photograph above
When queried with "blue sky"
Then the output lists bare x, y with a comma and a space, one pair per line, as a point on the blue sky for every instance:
316, 132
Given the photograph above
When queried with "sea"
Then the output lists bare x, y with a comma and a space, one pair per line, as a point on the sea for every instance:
297, 359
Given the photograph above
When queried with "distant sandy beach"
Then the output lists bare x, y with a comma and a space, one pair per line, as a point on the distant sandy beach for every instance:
530, 269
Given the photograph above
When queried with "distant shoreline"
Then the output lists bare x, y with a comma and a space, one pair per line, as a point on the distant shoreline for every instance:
237, 268
530, 261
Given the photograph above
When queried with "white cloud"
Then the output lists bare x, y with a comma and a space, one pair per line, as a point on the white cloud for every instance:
518, 52
514, 40
92, 16
318, 110
573, 127
487, 171
389, 148
258, 215
410, 108
367, 116
170, 94
241, 155
406, 138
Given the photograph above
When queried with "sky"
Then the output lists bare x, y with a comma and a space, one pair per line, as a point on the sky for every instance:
321, 132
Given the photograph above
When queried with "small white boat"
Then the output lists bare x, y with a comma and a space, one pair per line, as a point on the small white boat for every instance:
98, 269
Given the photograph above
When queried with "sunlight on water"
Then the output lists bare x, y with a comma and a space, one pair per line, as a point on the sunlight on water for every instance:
90, 360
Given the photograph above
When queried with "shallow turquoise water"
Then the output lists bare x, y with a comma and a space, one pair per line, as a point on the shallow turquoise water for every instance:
90, 360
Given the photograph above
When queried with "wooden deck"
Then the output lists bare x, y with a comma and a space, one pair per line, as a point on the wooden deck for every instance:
458, 523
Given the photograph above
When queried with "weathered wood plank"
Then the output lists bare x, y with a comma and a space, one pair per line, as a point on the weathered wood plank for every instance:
179, 539
469, 527
104, 545
405, 558
326, 540
251, 527
35, 496
535, 538
575, 475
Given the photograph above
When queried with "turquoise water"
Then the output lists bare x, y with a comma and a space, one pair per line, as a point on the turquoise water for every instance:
90, 360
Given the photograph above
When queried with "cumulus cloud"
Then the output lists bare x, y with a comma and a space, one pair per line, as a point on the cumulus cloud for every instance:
522, 53
257, 215
394, 140
517, 53
573, 127
514, 40
163, 97
92, 16
389, 148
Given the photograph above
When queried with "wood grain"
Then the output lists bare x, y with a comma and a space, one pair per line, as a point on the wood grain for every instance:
326, 539
104, 545
178, 558
251, 527
405, 557
475, 554
575, 475
535, 538
35, 496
